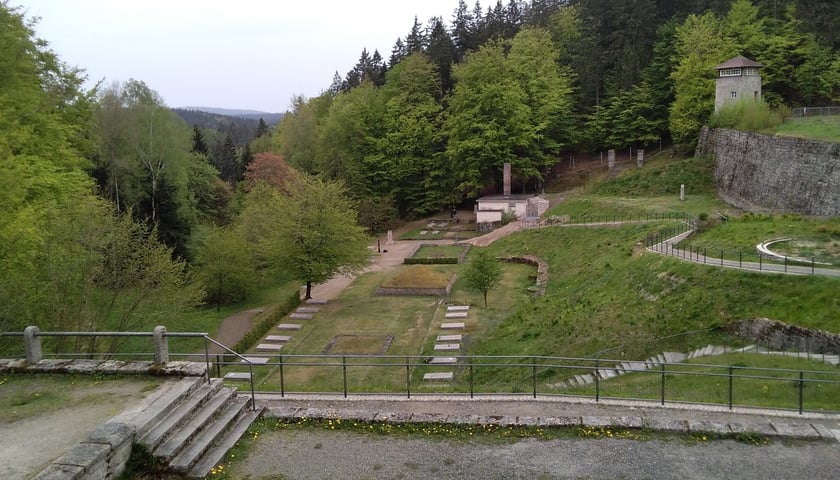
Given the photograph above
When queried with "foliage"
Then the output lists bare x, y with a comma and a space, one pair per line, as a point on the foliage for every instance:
662, 177
269, 168
311, 232
225, 267
430, 260
266, 321
747, 115
483, 273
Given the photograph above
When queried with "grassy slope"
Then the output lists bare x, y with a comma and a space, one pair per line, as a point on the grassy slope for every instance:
818, 128
607, 296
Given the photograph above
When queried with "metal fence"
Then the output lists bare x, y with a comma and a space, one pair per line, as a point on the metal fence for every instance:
528, 377
813, 111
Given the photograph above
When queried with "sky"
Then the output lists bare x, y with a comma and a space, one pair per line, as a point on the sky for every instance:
241, 54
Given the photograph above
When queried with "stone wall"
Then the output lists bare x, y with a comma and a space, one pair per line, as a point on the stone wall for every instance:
783, 337
774, 173
416, 291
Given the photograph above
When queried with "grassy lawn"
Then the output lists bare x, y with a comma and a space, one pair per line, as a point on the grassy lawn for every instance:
439, 251
771, 389
816, 128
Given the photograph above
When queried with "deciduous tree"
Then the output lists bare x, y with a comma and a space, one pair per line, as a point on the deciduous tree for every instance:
483, 273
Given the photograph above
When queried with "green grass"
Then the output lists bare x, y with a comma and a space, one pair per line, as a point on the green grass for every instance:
816, 128
29, 395
439, 251
662, 177
751, 384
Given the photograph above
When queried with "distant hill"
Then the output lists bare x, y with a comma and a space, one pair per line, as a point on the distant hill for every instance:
216, 126
269, 118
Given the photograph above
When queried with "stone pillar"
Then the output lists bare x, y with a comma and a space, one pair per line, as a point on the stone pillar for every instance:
682, 192
390, 238
161, 346
640, 157
32, 344
506, 179
610, 159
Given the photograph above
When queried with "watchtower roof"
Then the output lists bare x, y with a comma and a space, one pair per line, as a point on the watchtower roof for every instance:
739, 62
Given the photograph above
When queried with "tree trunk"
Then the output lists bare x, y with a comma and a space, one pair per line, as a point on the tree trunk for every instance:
485, 299
308, 290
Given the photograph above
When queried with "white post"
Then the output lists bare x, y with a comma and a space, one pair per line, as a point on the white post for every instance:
682, 192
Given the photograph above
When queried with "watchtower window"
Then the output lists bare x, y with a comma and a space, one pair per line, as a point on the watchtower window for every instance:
751, 71
731, 72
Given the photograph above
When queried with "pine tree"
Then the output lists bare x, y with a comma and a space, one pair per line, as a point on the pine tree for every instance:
262, 129
199, 145
441, 51
416, 39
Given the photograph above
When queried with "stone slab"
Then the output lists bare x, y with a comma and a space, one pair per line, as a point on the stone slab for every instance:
443, 360
277, 338
449, 338
289, 326
424, 232
666, 425
452, 326
447, 346
559, 421
255, 360
703, 426
457, 308
439, 376
456, 314
763, 428
593, 421
300, 316
238, 376
796, 430
317, 301
307, 310
269, 347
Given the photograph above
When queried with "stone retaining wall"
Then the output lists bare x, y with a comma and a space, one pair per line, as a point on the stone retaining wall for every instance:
781, 336
542, 270
418, 292
774, 173
104, 454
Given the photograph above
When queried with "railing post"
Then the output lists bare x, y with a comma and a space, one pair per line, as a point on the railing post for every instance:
282, 378
407, 378
253, 396
32, 344
472, 387
662, 388
812, 265
207, 359
731, 370
597, 382
534, 376
161, 346
721, 258
801, 390
344, 373
218, 365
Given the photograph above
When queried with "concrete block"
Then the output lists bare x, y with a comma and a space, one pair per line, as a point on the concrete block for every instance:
447, 346
449, 338
301, 316
237, 376
289, 326
703, 426
452, 326
457, 308
628, 422
277, 338
61, 472
456, 315
269, 347
307, 310
445, 376
255, 360
316, 301
667, 425
674, 357
113, 434
443, 361
593, 421
802, 431
560, 421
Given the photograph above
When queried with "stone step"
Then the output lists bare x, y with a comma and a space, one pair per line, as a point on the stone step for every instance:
635, 367
447, 346
449, 338
155, 407
289, 326
443, 360
223, 419
216, 454
277, 338
175, 415
452, 326
191, 426
456, 314
238, 376
316, 301
301, 316
457, 308
606, 373
718, 350
439, 376
674, 357
269, 347
307, 310
587, 379
254, 360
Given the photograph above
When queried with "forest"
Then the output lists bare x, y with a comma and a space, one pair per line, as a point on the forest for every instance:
118, 212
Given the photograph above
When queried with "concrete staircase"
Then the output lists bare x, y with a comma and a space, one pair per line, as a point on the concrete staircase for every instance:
192, 425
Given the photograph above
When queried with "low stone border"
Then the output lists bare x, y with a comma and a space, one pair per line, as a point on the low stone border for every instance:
87, 367
418, 292
542, 270
768, 428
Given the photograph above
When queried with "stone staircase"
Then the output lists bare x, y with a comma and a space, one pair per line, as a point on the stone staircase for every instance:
192, 425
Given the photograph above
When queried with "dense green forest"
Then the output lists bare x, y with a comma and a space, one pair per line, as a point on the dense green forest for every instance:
117, 211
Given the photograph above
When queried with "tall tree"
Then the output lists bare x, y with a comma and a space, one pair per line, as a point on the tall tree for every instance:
483, 273
313, 233
441, 51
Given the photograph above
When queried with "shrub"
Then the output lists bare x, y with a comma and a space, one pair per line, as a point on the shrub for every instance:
508, 216
430, 260
747, 115
265, 321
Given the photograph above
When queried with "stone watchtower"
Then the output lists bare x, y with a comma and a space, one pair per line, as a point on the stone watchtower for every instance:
738, 79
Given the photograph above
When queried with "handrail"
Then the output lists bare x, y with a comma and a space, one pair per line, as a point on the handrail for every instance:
241, 359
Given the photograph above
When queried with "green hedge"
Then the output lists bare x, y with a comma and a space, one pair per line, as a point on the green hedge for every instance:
430, 260
266, 321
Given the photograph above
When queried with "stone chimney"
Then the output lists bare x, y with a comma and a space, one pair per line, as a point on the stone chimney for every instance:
506, 180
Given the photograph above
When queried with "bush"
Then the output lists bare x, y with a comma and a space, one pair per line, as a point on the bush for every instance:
747, 115
508, 216
430, 260
265, 321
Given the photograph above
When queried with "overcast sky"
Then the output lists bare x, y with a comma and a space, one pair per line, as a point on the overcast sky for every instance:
245, 54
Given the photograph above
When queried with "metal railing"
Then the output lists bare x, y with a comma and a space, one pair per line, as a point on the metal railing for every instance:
523, 376
160, 354
813, 111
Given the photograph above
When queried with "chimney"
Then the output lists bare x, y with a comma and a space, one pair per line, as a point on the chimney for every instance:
506, 180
